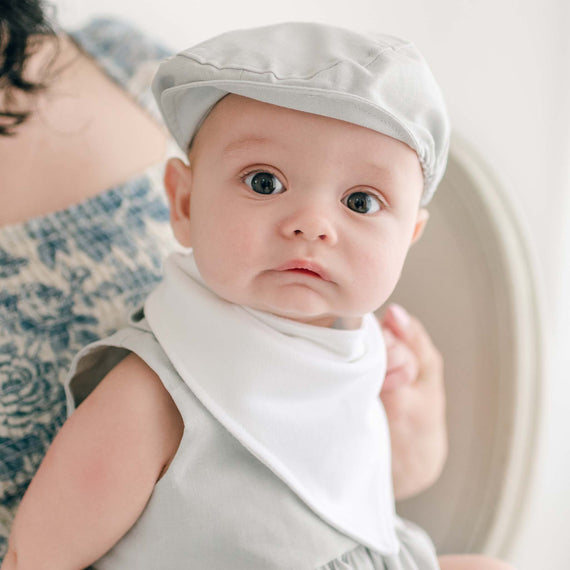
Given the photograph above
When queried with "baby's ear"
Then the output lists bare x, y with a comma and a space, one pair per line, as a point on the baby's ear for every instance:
423, 216
178, 184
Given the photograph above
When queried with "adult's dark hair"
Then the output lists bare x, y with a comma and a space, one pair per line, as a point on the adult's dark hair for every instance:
22, 23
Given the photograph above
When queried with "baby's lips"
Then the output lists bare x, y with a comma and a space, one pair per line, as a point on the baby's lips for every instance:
305, 265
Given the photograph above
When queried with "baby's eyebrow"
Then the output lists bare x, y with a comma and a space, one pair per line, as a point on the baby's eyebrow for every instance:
379, 170
246, 142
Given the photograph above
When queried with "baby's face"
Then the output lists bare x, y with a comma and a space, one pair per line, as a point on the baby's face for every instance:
299, 215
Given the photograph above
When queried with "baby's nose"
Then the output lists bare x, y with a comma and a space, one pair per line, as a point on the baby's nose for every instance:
311, 225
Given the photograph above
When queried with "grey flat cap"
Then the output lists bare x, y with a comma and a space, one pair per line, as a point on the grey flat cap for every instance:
379, 82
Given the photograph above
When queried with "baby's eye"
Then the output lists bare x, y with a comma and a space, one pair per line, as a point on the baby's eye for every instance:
264, 183
362, 203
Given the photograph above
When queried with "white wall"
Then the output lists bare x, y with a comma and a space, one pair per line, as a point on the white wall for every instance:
504, 66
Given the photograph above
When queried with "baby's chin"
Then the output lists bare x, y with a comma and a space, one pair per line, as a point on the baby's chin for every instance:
324, 321
318, 320
315, 318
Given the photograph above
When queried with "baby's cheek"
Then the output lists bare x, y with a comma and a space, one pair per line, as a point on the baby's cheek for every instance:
243, 242
381, 273
220, 234
233, 248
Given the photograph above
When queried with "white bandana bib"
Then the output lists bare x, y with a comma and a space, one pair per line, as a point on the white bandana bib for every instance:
303, 399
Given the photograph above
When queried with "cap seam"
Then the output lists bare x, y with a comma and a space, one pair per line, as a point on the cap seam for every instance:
243, 68
392, 48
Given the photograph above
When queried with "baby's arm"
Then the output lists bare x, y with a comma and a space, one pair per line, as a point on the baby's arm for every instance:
98, 473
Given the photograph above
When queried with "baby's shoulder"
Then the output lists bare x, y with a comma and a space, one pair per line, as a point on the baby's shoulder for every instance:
133, 404
143, 393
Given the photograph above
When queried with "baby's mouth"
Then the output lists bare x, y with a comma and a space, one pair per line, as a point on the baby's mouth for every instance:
305, 267
305, 272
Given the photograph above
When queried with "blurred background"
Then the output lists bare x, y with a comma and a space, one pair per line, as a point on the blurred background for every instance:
504, 67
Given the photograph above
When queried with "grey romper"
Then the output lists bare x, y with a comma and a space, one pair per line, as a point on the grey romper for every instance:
218, 506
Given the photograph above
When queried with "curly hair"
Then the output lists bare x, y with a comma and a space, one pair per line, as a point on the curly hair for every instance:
22, 23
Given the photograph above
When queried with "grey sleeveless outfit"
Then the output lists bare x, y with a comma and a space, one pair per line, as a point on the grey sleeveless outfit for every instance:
219, 507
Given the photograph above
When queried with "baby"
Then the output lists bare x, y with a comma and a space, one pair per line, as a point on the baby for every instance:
236, 423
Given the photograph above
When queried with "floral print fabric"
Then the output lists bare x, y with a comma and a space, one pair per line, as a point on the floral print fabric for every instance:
72, 277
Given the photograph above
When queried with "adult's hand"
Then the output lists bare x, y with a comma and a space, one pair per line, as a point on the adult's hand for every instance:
414, 399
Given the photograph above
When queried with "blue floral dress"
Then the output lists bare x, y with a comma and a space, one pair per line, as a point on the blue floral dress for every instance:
71, 277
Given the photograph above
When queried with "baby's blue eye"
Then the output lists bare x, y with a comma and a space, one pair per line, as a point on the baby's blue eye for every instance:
362, 203
264, 183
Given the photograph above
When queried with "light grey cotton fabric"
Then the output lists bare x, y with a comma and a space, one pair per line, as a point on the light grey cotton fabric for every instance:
217, 506
379, 82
